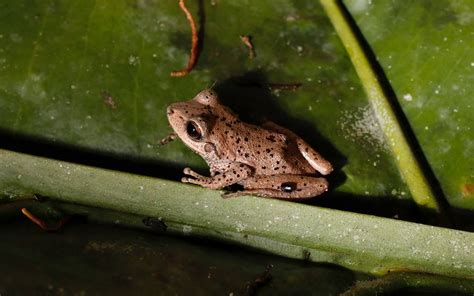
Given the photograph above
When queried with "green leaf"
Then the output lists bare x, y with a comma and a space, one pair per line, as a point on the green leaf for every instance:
61, 60
57, 64
406, 161
426, 50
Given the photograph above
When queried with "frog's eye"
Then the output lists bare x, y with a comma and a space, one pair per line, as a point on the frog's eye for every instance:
193, 131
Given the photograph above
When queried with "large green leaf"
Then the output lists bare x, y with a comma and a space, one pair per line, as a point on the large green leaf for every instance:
426, 49
57, 62
59, 59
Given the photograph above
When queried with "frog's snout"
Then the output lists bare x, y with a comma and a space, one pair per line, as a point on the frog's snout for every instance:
169, 110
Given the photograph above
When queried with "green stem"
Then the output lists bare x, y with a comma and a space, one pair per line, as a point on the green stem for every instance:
359, 242
407, 163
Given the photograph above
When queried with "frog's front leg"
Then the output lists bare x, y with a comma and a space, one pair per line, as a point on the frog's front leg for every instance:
234, 173
283, 187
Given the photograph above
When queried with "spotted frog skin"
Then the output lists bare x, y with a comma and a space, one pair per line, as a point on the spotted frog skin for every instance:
268, 161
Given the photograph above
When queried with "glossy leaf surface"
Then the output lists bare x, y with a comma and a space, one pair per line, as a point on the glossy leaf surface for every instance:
66, 56
88, 82
426, 49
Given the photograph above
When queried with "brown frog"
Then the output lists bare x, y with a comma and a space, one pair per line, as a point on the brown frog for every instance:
268, 161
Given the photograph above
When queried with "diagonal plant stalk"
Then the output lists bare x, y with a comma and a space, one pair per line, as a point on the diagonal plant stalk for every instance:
408, 165
359, 242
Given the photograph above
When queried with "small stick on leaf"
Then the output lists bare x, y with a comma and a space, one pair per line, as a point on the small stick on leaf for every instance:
108, 99
42, 224
169, 138
260, 281
194, 46
247, 40
284, 86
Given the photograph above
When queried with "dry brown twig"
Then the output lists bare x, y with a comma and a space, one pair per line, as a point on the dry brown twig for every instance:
284, 86
260, 281
108, 100
194, 45
170, 138
42, 224
247, 40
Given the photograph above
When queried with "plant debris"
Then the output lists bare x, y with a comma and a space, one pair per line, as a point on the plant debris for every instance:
194, 46
260, 281
284, 86
156, 225
108, 99
43, 224
169, 138
247, 40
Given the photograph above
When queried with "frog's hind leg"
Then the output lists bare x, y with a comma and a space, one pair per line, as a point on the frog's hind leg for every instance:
282, 187
312, 156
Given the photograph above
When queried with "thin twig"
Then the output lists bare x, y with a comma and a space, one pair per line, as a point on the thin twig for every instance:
41, 223
169, 138
260, 281
284, 86
247, 40
194, 47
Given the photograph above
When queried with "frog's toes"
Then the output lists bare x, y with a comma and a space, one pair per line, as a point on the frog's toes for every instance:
226, 195
230, 194
187, 180
188, 171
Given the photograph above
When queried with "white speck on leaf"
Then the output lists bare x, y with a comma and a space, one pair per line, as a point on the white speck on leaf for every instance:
359, 6
362, 126
16, 38
240, 226
133, 60
187, 229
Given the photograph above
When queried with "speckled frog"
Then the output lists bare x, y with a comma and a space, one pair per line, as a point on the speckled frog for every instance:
268, 161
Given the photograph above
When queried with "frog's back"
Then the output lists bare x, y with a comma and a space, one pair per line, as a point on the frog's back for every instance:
268, 152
